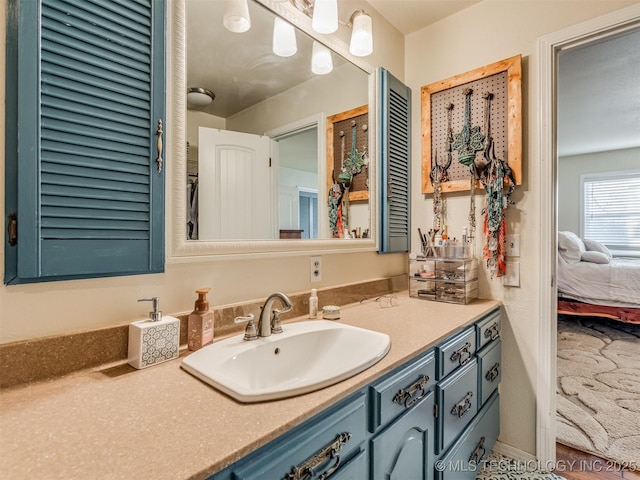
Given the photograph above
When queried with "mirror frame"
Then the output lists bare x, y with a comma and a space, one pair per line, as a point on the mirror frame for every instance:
181, 249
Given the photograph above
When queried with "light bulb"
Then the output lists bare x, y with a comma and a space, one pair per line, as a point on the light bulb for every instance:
325, 16
321, 62
362, 35
236, 16
284, 38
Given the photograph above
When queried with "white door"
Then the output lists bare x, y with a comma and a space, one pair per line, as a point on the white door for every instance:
235, 184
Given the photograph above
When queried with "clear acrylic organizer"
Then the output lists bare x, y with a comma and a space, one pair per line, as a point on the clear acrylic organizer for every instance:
443, 279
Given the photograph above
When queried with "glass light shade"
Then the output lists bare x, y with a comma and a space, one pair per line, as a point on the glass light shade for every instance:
284, 38
325, 16
199, 97
236, 16
362, 35
321, 62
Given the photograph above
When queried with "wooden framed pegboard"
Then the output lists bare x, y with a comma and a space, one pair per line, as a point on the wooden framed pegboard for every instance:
504, 80
342, 122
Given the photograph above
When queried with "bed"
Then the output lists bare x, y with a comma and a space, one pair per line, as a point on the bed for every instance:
591, 282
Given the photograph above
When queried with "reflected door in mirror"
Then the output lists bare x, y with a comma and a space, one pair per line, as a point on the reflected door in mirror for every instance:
235, 186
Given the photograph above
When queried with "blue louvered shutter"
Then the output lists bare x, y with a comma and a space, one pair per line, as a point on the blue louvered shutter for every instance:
395, 162
90, 81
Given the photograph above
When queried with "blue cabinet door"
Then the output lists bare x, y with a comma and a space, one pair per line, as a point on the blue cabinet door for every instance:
84, 175
404, 450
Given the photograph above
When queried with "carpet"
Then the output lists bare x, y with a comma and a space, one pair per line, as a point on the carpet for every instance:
499, 467
598, 387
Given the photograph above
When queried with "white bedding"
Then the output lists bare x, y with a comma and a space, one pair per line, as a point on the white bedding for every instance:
616, 283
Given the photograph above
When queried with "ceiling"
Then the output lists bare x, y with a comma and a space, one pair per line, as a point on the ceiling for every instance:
407, 16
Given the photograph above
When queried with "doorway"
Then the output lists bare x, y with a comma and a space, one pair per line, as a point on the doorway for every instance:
549, 48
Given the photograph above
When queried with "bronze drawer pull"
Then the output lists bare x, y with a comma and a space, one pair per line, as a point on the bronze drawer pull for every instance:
493, 372
476, 456
459, 355
493, 331
306, 470
406, 396
463, 406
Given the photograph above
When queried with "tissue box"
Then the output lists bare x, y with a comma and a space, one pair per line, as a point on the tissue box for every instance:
152, 342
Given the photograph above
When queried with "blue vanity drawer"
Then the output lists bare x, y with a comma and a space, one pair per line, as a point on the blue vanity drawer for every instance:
457, 404
488, 328
404, 449
463, 461
490, 368
401, 390
456, 351
343, 428
354, 469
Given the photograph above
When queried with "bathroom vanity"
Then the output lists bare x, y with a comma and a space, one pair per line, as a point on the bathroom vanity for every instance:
163, 423
435, 416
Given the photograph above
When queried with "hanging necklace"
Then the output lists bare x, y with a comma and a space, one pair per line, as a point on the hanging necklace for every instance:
494, 218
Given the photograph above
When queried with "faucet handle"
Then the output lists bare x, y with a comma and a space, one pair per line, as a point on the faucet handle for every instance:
250, 332
275, 320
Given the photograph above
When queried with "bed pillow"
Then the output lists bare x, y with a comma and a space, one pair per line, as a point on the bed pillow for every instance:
592, 245
595, 257
570, 247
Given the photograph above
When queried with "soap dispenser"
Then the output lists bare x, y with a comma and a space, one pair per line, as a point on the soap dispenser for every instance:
200, 323
154, 340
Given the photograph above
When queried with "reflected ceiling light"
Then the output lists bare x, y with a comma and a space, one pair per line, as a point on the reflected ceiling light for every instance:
236, 16
321, 62
199, 97
325, 16
284, 38
362, 35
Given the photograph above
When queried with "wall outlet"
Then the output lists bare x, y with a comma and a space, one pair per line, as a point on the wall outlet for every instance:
512, 276
316, 269
512, 245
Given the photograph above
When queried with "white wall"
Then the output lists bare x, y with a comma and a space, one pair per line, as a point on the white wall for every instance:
571, 167
32, 311
489, 31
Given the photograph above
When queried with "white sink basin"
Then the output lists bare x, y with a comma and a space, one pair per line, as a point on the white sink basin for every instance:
308, 356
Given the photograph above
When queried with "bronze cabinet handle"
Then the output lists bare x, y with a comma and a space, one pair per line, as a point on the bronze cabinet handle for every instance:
493, 331
159, 145
493, 372
463, 406
306, 469
406, 395
476, 456
459, 355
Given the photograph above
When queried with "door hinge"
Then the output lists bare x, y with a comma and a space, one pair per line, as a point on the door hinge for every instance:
435, 410
12, 229
269, 162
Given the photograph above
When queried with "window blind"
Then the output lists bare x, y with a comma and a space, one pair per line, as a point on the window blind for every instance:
611, 210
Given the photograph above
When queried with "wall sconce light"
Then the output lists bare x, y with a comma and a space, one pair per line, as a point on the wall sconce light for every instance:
361, 43
321, 62
284, 38
236, 16
323, 13
199, 97
325, 16
324, 19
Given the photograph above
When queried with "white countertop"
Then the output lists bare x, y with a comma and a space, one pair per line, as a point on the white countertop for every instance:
162, 423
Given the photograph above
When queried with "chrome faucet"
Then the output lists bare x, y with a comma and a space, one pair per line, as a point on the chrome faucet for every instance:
268, 324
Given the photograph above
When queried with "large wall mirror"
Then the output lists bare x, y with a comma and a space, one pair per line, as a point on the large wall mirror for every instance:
249, 170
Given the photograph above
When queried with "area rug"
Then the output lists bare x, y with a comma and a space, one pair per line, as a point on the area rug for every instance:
499, 467
598, 389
